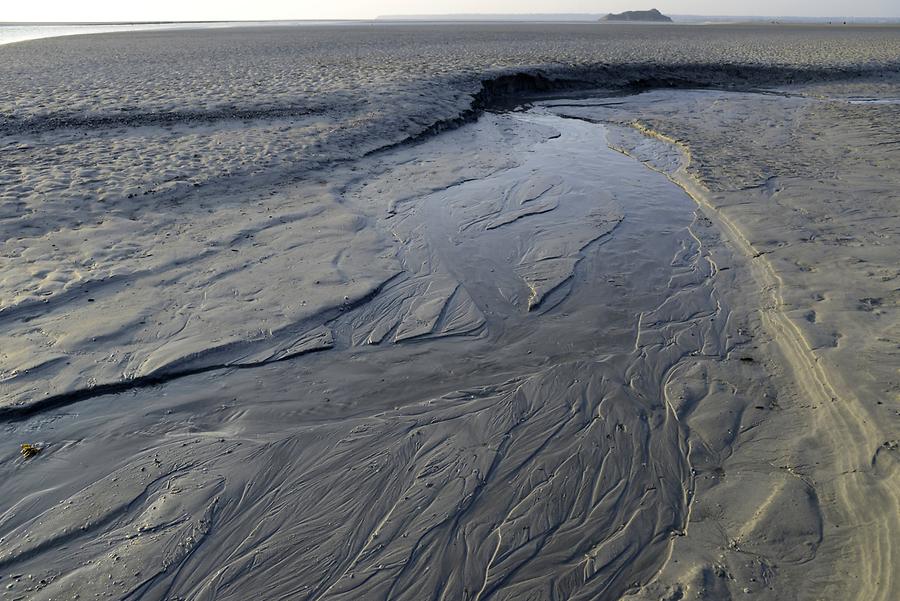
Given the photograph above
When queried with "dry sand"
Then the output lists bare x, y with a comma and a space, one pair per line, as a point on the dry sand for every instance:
277, 341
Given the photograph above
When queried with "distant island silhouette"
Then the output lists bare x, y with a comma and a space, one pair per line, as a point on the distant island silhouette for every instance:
651, 15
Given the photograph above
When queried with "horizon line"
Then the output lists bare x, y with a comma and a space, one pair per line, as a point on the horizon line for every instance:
425, 17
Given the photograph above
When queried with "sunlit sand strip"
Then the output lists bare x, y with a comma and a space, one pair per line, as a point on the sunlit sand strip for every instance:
867, 508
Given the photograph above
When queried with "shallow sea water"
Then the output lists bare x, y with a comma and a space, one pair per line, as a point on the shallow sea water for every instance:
11, 32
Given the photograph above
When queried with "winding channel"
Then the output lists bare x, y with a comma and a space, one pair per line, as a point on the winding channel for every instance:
495, 423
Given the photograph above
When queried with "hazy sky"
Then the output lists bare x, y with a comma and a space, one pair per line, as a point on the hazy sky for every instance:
144, 10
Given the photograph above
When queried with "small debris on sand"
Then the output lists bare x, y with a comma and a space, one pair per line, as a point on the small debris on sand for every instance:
29, 450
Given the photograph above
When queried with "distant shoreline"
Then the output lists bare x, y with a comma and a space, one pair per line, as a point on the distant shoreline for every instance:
510, 18
12, 33
595, 17
468, 17
113, 23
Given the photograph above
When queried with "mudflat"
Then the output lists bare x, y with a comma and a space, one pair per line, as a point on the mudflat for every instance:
451, 311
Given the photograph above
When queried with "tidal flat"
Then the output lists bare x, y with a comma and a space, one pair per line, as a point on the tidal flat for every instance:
506, 311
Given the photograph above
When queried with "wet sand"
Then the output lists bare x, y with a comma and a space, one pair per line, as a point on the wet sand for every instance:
603, 346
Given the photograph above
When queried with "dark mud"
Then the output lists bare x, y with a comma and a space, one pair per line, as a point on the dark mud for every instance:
494, 424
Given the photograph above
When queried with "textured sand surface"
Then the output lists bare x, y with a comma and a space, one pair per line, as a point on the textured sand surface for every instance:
809, 193
135, 156
282, 331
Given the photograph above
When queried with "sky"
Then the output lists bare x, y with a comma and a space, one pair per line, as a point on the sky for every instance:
200, 10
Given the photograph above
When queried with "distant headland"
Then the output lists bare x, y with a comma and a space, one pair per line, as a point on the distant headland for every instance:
651, 15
